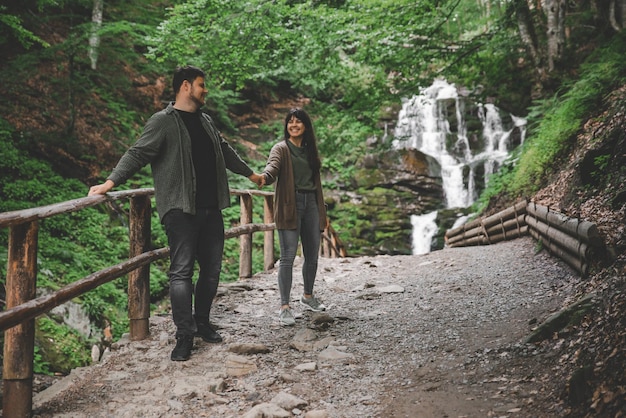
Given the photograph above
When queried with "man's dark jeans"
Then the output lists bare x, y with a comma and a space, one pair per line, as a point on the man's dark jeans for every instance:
193, 237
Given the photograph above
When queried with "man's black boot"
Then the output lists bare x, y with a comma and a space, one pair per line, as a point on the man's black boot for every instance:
182, 351
208, 334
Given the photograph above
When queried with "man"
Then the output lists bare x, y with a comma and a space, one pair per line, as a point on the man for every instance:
189, 157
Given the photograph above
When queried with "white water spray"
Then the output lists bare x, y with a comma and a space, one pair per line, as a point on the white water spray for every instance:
424, 228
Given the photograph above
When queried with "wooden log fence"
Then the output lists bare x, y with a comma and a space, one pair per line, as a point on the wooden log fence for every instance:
22, 307
572, 240
504, 225
331, 244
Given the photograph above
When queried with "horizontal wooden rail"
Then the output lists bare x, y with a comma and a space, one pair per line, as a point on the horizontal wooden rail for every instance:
506, 224
573, 240
17, 217
42, 304
584, 230
36, 307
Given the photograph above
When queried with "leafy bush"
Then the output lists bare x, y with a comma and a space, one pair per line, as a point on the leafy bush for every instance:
62, 348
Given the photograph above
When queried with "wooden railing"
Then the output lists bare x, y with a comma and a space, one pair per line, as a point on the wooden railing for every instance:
22, 306
575, 241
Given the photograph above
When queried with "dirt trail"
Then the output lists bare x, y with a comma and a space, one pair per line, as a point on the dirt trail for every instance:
435, 335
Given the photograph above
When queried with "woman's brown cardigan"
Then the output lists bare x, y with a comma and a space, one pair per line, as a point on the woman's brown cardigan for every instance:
279, 170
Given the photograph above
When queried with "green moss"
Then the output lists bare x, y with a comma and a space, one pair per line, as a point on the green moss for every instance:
61, 348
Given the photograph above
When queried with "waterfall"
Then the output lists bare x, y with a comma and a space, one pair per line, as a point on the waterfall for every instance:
435, 123
424, 227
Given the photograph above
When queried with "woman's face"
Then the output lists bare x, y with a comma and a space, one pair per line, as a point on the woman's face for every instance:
295, 127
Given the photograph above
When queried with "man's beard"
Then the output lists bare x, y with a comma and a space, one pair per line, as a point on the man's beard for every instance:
198, 100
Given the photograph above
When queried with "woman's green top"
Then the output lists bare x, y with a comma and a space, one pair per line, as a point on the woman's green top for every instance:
302, 173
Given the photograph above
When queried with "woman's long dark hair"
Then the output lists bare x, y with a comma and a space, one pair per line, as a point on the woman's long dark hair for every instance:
309, 141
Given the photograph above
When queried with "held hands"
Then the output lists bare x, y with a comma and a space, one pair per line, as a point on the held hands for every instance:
259, 179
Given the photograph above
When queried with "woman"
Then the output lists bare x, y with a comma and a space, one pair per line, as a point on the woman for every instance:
299, 210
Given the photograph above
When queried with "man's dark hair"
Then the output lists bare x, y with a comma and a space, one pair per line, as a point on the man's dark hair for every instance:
188, 72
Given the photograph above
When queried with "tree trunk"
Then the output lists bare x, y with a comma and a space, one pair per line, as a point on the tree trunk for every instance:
555, 11
528, 35
94, 38
616, 14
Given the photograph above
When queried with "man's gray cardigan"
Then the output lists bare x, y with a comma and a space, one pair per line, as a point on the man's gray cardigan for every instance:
166, 145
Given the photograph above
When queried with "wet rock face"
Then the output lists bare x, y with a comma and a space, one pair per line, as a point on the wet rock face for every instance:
387, 189
413, 179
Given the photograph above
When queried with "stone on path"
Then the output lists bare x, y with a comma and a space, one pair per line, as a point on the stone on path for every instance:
303, 340
332, 355
239, 365
317, 414
248, 348
267, 410
307, 367
394, 288
288, 401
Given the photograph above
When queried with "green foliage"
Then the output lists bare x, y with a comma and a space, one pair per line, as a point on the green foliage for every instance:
601, 162
40, 365
497, 183
220, 101
485, 64
61, 345
553, 124
11, 27
353, 226
562, 117
339, 131
341, 54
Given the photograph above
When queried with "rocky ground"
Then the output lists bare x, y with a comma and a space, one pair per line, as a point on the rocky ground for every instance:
434, 335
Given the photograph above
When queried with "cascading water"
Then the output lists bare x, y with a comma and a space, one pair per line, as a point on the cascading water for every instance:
427, 123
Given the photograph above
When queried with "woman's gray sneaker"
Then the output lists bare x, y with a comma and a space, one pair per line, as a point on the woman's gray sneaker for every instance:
285, 316
312, 304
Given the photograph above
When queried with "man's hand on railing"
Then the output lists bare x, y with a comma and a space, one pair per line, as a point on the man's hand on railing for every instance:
100, 189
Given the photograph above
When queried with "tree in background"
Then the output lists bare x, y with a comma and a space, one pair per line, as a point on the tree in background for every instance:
552, 32
94, 37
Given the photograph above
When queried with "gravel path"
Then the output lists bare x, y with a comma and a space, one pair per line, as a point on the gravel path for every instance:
434, 335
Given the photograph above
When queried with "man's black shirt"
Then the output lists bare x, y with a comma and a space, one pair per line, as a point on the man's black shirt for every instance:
203, 155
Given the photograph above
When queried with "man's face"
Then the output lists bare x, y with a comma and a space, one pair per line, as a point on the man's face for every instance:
198, 92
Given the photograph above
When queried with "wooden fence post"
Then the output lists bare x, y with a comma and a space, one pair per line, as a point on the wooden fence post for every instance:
19, 341
268, 242
139, 279
245, 241
326, 248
